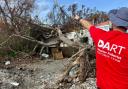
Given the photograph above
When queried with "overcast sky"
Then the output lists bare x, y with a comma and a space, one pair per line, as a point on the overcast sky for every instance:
44, 6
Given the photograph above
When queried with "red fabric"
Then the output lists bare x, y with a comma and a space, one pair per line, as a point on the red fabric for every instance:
111, 58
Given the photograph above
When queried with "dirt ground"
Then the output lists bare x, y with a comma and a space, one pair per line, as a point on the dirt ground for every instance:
33, 73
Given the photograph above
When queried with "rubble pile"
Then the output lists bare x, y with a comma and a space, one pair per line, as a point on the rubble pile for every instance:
75, 71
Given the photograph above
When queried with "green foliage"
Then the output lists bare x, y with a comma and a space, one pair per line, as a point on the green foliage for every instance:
8, 53
11, 54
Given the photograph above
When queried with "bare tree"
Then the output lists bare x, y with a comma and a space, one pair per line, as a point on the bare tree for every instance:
11, 10
73, 9
62, 15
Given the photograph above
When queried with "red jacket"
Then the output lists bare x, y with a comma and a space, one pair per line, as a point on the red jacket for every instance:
111, 58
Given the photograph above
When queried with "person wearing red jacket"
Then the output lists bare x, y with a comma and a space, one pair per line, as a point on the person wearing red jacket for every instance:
111, 50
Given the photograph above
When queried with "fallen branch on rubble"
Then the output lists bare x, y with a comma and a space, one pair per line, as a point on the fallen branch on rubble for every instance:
6, 40
51, 42
68, 41
30, 39
71, 58
71, 65
39, 42
83, 59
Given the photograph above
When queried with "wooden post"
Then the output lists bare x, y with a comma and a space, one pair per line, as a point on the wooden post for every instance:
83, 67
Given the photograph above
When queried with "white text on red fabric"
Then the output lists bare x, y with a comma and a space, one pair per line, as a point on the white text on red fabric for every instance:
110, 47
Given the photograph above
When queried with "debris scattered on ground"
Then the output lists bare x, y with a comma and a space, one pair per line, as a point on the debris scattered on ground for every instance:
37, 74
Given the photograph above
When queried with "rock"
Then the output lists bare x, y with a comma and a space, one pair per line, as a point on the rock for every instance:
45, 55
14, 83
7, 62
